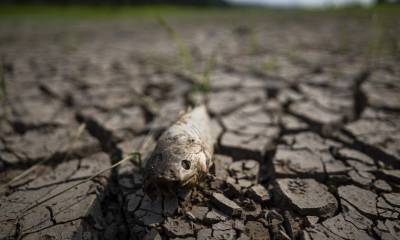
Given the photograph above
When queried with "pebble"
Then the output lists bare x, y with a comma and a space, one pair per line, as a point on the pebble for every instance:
252, 211
311, 220
259, 193
152, 235
244, 183
243, 237
256, 231
363, 200
239, 225
382, 185
393, 198
222, 225
205, 234
184, 238
221, 165
273, 217
233, 187
306, 196
248, 169
226, 205
214, 216
353, 154
393, 175
178, 228
340, 227
199, 212
224, 235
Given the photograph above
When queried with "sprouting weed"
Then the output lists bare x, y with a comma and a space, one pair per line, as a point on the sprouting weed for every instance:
184, 53
202, 84
253, 42
270, 65
293, 54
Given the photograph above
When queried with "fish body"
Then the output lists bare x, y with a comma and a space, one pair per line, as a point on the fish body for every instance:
183, 154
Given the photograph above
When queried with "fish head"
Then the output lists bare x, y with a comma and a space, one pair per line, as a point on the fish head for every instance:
178, 161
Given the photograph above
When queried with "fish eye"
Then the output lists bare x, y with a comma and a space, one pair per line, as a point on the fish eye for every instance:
185, 164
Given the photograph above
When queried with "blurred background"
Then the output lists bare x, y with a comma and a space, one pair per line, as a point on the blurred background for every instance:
273, 3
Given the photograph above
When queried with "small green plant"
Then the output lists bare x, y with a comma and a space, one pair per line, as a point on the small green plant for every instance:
184, 53
270, 65
202, 83
253, 42
293, 54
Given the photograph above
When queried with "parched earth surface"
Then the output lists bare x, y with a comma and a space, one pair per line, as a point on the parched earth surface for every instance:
305, 111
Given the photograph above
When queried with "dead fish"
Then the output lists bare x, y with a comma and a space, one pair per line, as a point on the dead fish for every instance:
183, 154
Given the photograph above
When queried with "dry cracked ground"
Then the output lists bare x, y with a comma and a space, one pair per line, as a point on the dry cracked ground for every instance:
305, 110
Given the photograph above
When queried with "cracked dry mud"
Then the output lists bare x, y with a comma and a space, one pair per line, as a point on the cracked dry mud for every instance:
308, 134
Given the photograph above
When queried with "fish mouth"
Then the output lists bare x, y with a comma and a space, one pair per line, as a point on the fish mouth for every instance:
169, 185
189, 181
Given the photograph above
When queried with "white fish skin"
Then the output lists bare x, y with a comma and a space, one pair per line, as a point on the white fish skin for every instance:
183, 154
